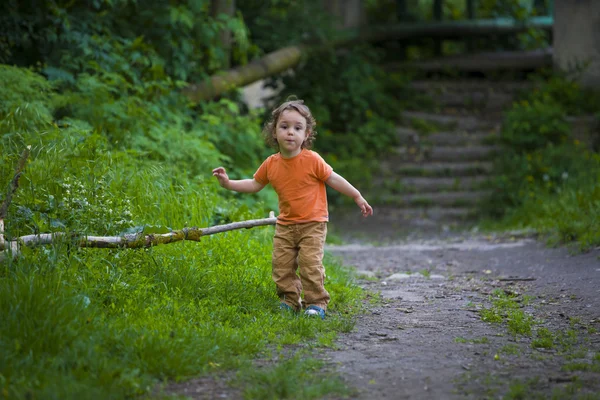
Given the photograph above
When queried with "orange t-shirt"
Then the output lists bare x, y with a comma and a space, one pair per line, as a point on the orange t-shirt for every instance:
300, 185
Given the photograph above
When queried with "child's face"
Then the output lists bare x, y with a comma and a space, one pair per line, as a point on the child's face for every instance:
290, 133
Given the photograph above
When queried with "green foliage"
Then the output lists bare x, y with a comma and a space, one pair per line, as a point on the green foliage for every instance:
270, 22
506, 308
544, 339
547, 179
27, 100
529, 126
94, 323
565, 91
109, 156
137, 40
569, 216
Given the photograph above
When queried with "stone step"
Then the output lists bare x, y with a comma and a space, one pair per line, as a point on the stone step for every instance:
410, 136
397, 185
438, 213
434, 199
475, 101
449, 122
473, 95
449, 169
472, 85
390, 223
384, 214
429, 153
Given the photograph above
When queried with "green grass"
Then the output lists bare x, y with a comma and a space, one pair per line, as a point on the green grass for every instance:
544, 339
507, 308
97, 323
510, 349
482, 340
298, 377
567, 217
425, 272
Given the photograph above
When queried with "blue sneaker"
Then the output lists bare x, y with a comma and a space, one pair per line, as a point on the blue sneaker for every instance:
314, 311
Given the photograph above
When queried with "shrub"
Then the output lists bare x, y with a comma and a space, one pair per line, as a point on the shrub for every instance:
534, 124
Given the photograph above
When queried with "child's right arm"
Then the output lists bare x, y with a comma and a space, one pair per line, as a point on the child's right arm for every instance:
242, 185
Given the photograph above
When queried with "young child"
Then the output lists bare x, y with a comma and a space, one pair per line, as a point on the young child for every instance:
298, 176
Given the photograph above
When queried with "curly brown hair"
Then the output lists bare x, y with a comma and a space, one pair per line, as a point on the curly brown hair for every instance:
296, 105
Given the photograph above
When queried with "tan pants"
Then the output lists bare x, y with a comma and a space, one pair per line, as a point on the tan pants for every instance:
300, 245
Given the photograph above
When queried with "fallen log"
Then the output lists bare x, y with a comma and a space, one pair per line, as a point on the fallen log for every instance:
129, 241
288, 57
271, 64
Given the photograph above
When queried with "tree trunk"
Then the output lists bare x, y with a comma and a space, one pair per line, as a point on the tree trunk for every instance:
227, 7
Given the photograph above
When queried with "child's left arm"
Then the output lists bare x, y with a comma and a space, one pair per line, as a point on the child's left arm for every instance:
340, 184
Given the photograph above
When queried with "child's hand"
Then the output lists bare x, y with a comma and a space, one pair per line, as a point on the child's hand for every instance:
221, 175
365, 208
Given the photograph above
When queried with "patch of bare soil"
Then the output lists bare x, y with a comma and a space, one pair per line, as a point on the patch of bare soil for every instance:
423, 336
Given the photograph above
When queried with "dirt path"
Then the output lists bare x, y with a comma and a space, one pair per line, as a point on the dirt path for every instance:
423, 336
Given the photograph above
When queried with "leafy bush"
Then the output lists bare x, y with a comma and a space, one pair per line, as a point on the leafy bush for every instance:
27, 100
565, 91
570, 214
546, 179
532, 125
137, 40
269, 22
97, 323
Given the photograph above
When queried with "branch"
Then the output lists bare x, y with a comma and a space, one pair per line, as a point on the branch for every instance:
133, 241
14, 183
12, 188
